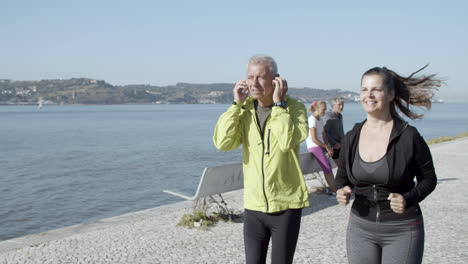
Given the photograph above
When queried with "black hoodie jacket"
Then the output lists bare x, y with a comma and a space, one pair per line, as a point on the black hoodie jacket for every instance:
407, 156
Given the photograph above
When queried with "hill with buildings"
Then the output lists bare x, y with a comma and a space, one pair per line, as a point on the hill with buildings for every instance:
90, 91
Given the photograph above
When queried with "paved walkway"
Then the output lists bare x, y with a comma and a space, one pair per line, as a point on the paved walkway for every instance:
151, 236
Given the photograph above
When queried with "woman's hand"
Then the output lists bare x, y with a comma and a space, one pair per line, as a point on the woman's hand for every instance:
397, 202
342, 195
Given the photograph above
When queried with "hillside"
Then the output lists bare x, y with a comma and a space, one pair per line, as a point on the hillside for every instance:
90, 91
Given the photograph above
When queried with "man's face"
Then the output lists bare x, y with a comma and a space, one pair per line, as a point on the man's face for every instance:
338, 107
260, 81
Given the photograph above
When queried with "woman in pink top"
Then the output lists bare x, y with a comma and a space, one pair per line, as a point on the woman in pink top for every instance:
317, 142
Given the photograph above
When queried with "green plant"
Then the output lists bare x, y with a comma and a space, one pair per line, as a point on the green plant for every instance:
201, 218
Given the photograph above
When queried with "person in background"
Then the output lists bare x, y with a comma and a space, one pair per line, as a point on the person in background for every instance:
333, 125
379, 161
317, 143
270, 127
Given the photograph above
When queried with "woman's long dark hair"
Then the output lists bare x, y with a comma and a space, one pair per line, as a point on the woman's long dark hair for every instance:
417, 91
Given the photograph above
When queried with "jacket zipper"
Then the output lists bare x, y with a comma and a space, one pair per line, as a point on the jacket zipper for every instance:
377, 214
350, 156
263, 176
268, 143
263, 156
267, 153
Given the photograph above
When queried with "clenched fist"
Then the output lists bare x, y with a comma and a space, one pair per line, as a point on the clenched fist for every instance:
342, 195
397, 202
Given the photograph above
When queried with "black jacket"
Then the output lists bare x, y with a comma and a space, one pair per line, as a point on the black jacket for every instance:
407, 156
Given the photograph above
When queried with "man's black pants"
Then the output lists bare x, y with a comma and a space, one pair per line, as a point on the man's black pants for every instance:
283, 227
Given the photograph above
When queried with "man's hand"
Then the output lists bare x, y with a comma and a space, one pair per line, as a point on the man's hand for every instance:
281, 88
329, 152
397, 202
240, 91
342, 195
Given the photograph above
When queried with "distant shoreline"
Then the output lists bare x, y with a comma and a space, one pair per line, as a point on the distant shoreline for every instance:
46, 104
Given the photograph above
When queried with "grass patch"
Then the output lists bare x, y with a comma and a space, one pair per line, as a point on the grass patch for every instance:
204, 220
198, 219
445, 138
203, 217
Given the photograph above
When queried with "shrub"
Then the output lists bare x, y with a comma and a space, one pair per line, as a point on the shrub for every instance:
202, 219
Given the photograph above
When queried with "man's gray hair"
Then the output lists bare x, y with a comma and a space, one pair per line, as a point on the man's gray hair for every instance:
337, 100
264, 59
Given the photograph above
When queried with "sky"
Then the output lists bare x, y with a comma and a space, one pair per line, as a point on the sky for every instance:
318, 44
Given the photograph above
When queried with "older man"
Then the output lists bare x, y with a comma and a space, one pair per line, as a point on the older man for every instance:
270, 125
333, 127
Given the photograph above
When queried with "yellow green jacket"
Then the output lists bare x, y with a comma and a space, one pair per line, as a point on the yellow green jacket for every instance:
273, 179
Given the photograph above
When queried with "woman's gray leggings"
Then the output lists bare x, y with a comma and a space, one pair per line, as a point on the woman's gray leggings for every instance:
399, 242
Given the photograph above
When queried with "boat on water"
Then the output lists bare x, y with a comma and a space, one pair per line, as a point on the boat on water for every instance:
39, 105
438, 101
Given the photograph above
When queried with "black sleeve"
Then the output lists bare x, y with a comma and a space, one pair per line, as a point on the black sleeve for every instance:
329, 130
425, 172
342, 179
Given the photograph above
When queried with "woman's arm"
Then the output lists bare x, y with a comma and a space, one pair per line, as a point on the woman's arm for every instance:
342, 179
325, 141
425, 172
313, 136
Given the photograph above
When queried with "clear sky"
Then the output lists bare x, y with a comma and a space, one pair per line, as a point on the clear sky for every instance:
319, 44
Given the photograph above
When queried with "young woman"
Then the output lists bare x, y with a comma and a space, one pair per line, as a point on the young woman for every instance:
317, 142
379, 160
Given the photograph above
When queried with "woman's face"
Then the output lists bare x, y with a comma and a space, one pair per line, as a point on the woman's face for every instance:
374, 96
320, 110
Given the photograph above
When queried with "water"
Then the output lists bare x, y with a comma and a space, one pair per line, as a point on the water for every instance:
65, 165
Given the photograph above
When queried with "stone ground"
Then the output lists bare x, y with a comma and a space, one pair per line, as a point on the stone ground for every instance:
151, 236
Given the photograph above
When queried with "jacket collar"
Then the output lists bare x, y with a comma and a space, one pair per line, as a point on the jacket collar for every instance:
399, 126
335, 115
249, 104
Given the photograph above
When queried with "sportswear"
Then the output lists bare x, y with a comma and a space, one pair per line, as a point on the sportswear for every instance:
273, 179
408, 156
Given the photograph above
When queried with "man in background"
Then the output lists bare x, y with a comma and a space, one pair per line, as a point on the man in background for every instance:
333, 127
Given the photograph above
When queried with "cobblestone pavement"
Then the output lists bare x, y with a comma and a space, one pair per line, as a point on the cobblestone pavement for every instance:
151, 236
